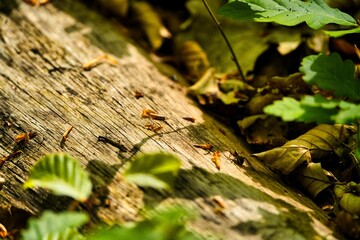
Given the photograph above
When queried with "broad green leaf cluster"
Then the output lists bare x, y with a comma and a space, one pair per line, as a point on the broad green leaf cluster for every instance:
53, 226
315, 13
166, 224
62, 175
329, 73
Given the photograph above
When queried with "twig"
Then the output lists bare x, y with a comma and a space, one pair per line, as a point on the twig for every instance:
234, 58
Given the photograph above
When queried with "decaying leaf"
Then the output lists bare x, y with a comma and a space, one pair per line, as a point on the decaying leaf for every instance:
206, 89
317, 143
150, 23
234, 90
227, 85
263, 130
290, 85
248, 39
286, 158
192, 56
118, 7
325, 139
312, 178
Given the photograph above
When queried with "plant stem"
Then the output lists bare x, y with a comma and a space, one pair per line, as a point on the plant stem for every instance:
234, 58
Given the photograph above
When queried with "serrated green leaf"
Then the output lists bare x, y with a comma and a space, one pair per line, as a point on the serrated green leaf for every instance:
315, 13
157, 170
55, 226
62, 175
288, 109
348, 115
168, 224
308, 109
319, 101
332, 73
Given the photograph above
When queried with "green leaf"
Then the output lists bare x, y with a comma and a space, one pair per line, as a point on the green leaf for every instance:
308, 109
157, 170
55, 226
315, 13
347, 115
340, 33
61, 174
332, 73
288, 109
168, 224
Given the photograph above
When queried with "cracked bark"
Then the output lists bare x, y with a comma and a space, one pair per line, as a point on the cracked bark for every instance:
45, 90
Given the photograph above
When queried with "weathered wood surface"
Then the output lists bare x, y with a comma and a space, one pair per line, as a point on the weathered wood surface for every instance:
45, 90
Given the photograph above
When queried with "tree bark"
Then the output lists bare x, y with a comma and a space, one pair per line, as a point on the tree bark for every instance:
44, 89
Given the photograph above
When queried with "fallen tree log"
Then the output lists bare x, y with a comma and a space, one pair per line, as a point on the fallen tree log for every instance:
45, 90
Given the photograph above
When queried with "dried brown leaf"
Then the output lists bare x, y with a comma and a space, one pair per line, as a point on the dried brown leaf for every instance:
317, 143
150, 23
313, 178
193, 57
324, 139
118, 7
286, 158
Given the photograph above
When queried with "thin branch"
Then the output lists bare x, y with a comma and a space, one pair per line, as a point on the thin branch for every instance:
234, 58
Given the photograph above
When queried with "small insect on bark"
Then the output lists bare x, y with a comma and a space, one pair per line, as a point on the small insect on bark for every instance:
155, 127
138, 94
100, 59
66, 133
238, 159
118, 145
25, 137
9, 157
205, 146
220, 204
190, 119
148, 113
216, 159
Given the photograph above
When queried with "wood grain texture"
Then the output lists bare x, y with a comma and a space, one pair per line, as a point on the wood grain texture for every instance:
44, 89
